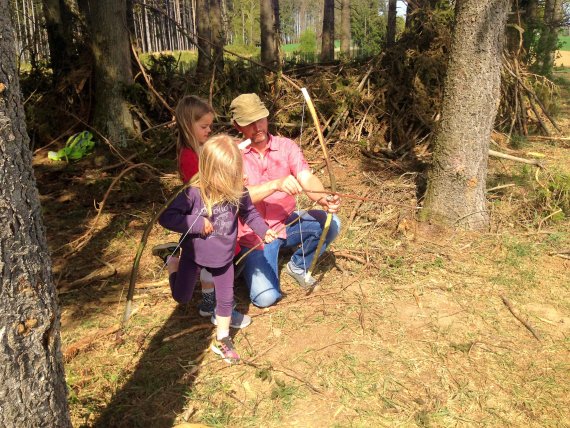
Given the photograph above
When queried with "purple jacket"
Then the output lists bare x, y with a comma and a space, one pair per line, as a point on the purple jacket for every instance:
186, 214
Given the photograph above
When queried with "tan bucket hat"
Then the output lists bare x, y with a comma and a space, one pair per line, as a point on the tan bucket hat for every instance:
247, 108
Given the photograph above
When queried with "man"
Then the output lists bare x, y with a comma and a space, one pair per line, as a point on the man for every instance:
276, 171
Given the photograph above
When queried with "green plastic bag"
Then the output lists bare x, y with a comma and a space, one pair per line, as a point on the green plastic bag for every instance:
76, 147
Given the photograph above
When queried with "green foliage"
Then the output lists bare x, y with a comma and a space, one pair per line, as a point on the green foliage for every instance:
77, 146
244, 50
308, 45
368, 27
548, 197
554, 196
517, 141
284, 393
564, 43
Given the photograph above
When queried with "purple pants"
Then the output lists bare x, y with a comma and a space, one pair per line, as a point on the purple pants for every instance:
182, 283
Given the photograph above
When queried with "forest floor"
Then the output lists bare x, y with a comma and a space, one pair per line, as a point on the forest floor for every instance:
408, 327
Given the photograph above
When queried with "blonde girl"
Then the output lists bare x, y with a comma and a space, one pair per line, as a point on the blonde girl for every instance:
207, 215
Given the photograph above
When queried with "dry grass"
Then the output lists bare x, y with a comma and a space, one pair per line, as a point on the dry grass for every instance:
416, 336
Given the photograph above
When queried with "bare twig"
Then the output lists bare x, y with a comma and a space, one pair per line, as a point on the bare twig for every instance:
509, 306
516, 159
187, 331
75, 348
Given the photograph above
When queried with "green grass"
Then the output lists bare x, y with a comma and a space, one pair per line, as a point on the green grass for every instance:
565, 40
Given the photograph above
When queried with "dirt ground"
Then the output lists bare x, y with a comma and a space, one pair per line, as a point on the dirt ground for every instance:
409, 327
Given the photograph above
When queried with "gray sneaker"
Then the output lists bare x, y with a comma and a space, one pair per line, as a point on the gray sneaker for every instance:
165, 250
238, 320
299, 275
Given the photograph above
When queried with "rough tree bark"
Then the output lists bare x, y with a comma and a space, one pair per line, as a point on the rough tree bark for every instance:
204, 64
59, 28
391, 24
32, 383
345, 28
218, 34
327, 47
111, 51
456, 181
269, 49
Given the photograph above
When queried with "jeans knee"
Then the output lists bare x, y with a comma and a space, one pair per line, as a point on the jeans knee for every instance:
266, 298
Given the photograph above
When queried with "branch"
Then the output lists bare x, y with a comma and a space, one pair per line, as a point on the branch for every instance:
518, 317
536, 162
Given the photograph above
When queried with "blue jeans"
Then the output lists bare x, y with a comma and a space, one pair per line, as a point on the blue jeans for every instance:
260, 270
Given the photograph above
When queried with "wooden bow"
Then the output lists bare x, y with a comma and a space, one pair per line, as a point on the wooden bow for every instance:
331, 177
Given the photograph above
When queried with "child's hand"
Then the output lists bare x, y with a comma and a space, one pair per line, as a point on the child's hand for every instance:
208, 228
270, 236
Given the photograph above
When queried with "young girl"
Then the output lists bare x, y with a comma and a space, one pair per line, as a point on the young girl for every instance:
194, 118
207, 213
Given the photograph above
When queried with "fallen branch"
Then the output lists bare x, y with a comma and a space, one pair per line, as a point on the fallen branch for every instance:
81, 345
518, 317
286, 373
187, 331
349, 256
504, 186
97, 275
516, 159
555, 253
543, 137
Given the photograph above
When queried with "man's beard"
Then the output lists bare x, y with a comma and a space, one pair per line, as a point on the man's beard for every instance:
260, 137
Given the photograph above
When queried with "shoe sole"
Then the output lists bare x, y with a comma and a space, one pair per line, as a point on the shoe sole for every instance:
161, 247
215, 349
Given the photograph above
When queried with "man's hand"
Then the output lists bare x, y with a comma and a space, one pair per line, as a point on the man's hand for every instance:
208, 228
289, 185
270, 236
330, 203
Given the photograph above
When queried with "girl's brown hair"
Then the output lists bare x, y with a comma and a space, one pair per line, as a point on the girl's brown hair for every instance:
189, 110
220, 176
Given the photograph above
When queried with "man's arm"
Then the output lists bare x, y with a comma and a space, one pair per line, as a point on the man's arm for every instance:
288, 184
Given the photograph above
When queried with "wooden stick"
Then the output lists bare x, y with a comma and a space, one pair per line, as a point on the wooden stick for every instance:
75, 348
543, 137
349, 256
187, 331
516, 159
517, 316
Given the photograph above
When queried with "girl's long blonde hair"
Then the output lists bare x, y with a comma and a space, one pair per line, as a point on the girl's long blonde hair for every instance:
220, 176
189, 110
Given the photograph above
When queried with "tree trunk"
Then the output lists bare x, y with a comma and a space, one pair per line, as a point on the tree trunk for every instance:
111, 51
60, 38
345, 28
203, 28
391, 25
327, 49
269, 52
456, 182
277, 24
32, 383
218, 34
